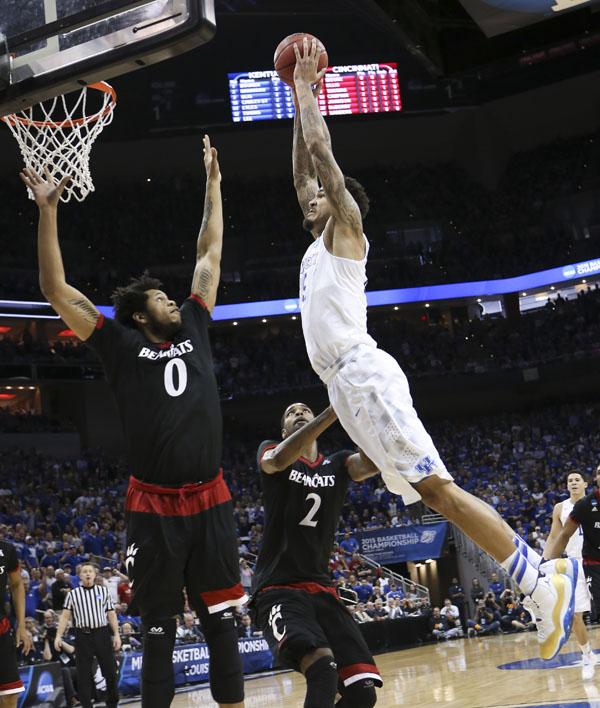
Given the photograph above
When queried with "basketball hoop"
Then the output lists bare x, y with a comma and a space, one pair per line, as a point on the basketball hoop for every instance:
59, 134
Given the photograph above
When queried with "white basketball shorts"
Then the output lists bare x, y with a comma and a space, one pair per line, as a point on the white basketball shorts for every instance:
370, 395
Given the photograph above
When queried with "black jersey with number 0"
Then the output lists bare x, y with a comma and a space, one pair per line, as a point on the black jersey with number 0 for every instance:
9, 562
167, 397
586, 513
302, 510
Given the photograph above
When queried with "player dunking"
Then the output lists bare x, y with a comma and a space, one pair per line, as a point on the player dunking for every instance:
367, 388
297, 607
574, 549
180, 527
10, 577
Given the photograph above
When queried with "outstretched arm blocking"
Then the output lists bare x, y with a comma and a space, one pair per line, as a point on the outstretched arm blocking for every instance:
210, 239
73, 307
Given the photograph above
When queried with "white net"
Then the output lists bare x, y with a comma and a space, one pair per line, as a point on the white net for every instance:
59, 134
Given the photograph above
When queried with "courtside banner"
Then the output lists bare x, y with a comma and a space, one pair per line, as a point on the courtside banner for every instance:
407, 543
190, 663
43, 686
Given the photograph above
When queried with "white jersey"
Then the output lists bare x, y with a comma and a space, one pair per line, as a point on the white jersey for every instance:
575, 545
333, 304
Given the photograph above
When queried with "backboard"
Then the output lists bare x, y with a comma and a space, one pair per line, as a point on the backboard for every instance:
57, 46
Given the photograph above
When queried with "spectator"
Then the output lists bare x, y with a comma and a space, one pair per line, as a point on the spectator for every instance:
458, 598
246, 628
361, 614
188, 633
496, 586
486, 621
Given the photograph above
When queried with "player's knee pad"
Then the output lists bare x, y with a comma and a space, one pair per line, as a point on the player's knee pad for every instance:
226, 671
360, 694
158, 683
321, 682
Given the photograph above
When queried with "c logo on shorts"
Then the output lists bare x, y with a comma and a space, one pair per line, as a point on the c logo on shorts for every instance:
274, 615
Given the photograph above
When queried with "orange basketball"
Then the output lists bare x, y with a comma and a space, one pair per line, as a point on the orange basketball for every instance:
285, 59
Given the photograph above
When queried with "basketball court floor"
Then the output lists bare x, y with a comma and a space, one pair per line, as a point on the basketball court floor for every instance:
497, 672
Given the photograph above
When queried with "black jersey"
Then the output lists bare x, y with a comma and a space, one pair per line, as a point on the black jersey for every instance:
167, 397
9, 562
302, 510
586, 513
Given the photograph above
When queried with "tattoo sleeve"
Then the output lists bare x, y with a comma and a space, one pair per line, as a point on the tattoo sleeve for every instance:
86, 308
305, 174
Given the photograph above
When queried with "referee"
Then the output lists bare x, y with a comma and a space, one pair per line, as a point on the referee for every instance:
92, 611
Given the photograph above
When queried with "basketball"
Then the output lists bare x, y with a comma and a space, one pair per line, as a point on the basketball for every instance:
285, 59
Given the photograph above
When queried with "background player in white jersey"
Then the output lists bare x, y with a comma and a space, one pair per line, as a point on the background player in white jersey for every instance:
367, 388
560, 514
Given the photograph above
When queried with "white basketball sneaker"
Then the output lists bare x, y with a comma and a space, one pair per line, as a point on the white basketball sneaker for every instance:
588, 666
551, 607
562, 566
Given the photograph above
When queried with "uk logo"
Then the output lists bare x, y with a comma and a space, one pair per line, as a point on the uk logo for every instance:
425, 466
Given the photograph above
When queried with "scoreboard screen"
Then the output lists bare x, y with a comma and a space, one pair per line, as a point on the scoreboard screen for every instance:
347, 90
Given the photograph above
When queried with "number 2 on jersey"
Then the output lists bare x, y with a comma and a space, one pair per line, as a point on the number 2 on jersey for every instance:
308, 520
182, 377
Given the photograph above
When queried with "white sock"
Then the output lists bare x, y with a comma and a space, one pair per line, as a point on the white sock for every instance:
532, 556
585, 648
521, 571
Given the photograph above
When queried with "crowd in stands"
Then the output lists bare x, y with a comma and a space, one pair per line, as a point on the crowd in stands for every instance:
29, 422
154, 224
273, 358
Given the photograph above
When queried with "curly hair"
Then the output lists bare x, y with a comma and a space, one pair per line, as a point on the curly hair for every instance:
359, 194
129, 299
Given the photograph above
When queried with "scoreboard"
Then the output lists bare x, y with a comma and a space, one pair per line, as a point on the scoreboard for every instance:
347, 90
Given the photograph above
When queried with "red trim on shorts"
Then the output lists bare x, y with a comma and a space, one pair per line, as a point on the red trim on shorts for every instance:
4, 626
311, 588
186, 500
591, 561
100, 321
346, 672
10, 686
199, 300
314, 464
218, 597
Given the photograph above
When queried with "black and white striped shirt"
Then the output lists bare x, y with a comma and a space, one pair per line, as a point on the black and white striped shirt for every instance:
89, 606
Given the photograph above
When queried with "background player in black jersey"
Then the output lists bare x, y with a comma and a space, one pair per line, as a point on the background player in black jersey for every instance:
10, 576
297, 607
180, 527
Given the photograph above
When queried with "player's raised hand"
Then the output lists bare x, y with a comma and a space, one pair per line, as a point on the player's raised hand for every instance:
45, 192
307, 63
211, 161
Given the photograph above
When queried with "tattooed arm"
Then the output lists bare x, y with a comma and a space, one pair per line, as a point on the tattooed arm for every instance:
305, 175
348, 222
210, 240
74, 308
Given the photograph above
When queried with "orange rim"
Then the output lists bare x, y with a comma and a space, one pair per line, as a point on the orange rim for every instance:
101, 86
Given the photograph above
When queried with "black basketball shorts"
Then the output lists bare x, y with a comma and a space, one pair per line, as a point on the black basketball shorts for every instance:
10, 681
182, 537
300, 617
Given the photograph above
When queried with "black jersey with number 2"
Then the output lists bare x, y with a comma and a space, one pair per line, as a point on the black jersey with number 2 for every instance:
9, 562
302, 509
586, 513
167, 397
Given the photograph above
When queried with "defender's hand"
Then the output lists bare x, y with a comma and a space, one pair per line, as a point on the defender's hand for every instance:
45, 192
23, 639
211, 161
307, 64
